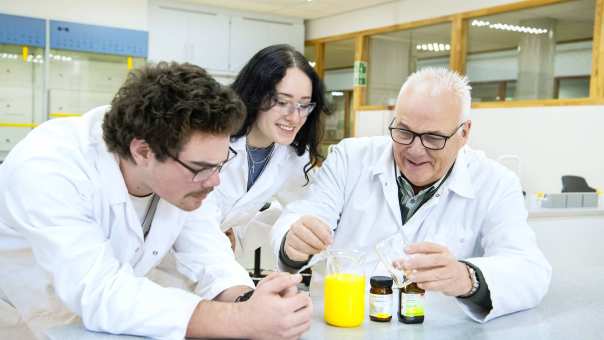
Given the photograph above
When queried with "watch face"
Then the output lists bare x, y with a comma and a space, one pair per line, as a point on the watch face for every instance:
245, 296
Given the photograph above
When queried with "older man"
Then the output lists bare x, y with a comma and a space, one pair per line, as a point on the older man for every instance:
463, 214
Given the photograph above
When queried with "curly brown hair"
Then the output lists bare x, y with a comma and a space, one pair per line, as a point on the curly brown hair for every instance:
164, 104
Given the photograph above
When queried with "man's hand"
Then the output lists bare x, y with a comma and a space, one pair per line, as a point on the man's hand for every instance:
307, 236
277, 310
433, 267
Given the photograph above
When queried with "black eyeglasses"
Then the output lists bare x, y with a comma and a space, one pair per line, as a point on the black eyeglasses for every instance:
200, 175
429, 140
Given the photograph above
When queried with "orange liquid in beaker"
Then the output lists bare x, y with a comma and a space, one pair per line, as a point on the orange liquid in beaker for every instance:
344, 299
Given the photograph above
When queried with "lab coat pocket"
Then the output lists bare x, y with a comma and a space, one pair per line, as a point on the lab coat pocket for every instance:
456, 237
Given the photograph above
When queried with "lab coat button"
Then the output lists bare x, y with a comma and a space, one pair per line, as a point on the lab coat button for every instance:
155, 252
437, 195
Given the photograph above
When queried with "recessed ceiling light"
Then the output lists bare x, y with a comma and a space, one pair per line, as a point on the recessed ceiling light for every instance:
433, 47
508, 27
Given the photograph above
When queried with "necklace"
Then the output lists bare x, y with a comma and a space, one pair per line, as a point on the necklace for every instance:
260, 164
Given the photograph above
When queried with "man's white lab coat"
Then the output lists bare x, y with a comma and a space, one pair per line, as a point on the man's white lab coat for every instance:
72, 244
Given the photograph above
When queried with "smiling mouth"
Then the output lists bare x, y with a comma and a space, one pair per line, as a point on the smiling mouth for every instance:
417, 163
287, 128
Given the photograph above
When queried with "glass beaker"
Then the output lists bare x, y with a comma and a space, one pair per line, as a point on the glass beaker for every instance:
344, 288
392, 249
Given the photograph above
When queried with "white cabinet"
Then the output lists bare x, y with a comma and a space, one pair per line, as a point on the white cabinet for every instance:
167, 34
16, 105
208, 35
249, 35
198, 37
84, 82
9, 137
76, 101
216, 39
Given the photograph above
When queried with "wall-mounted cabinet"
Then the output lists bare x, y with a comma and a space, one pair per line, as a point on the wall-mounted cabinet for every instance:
22, 41
198, 37
79, 81
81, 67
249, 35
218, 40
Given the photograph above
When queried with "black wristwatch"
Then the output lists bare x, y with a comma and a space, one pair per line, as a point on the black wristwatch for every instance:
245, 296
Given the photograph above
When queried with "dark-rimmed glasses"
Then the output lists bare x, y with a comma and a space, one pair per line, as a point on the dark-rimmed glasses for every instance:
430, 140
200, 175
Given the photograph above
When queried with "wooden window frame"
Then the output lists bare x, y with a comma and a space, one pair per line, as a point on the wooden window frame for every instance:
457, 61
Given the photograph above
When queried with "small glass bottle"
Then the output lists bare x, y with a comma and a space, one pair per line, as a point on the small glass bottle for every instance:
411, 304
380, 299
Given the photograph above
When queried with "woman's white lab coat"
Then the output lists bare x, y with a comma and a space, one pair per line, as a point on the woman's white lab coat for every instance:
72, 244
478, 213
231, 205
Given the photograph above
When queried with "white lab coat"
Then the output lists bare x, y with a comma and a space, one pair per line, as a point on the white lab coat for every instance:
478, 213
230, 205
72, 244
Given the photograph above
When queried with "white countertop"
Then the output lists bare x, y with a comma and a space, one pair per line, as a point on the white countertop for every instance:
572, 309
564, 212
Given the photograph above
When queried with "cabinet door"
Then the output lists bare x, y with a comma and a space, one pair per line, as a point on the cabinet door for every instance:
76, 101
167, 34
208, 38
16, 105
9, 137
249, 35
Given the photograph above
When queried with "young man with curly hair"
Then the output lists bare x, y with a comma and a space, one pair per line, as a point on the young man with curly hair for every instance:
89, 205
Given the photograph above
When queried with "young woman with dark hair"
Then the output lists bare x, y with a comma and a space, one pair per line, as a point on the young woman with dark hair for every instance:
277, 146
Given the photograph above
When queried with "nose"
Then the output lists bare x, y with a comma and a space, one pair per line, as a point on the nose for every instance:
213, 180
416, 147
293, 117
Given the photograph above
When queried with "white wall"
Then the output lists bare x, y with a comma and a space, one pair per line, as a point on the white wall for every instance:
130, 14
550, 141
391, 13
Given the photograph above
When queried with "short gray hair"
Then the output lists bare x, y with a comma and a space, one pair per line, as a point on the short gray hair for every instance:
443, 80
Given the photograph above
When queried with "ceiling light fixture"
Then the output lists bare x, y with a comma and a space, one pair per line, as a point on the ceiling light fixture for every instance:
508, 27
433, 47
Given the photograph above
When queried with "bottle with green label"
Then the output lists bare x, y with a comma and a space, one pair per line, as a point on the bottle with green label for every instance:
411, 304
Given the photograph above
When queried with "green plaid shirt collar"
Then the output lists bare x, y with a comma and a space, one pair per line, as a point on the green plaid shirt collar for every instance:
409, 201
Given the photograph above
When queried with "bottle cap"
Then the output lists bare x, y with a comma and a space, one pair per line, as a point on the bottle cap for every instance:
381, 281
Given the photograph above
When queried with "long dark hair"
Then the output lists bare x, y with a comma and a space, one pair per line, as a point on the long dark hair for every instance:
256, 86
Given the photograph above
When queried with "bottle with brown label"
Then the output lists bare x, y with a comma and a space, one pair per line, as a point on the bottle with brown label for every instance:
411, 304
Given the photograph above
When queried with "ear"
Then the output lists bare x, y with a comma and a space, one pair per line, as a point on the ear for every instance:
465, 133
140, 151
